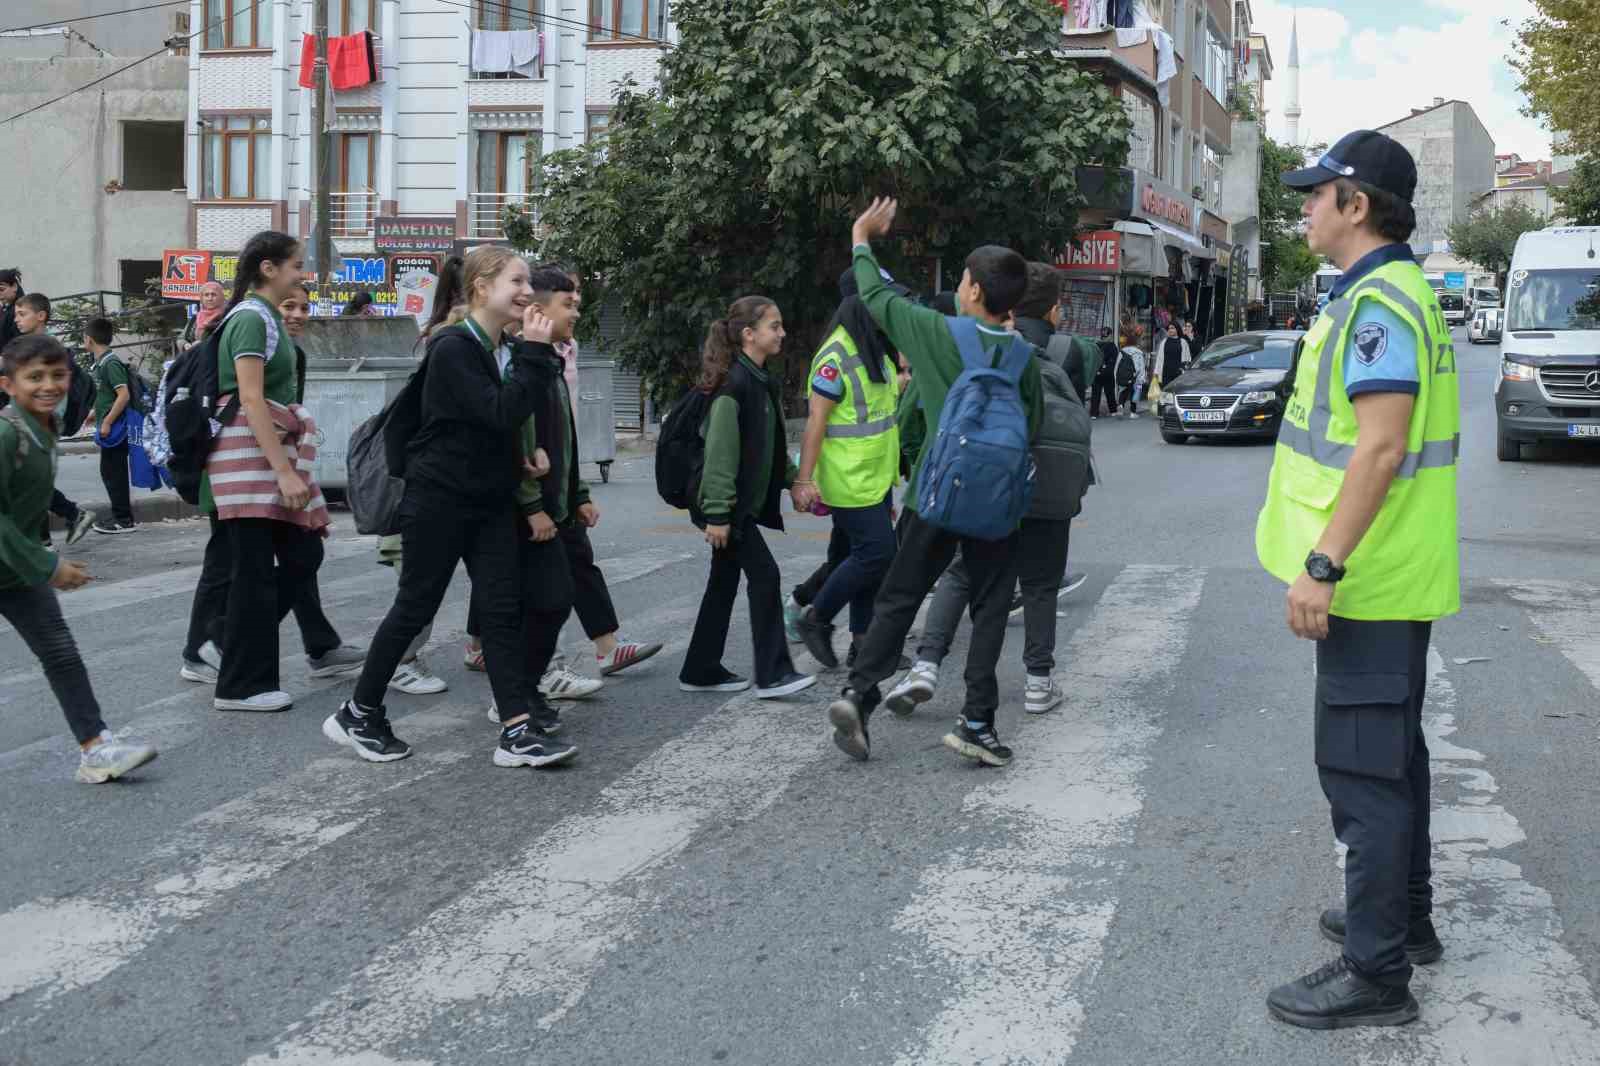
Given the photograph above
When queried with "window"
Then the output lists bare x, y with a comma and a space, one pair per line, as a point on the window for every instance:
1213, 178
506, 14
1142, 137
352, 16
1217, 64
135, 275
355, 204
236, 160
238, 23
152, 156
1175, 156
622, 20
508, 163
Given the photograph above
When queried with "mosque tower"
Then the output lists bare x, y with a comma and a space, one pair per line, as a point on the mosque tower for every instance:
1291, 113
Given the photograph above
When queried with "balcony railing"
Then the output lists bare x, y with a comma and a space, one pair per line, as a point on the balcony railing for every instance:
351, 213
486, 213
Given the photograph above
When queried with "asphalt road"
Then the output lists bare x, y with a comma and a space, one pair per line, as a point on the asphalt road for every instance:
712, 882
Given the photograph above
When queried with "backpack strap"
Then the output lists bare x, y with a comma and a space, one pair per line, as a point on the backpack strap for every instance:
964, 331
24, 435
1015, 361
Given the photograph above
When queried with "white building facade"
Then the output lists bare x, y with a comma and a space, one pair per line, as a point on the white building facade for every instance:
432, 138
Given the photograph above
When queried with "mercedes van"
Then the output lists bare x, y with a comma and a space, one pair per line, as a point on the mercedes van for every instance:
1549, 382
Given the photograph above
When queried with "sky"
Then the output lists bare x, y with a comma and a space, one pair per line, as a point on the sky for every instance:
1364, 63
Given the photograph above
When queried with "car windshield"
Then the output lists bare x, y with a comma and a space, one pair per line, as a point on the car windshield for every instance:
1553, 299
1248, 353
1486, 296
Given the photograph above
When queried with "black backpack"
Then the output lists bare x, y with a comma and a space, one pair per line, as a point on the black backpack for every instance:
80, 399
189, 400
1126, 371
376, 460
681, 450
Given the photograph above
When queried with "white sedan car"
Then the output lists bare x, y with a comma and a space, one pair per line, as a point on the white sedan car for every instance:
1486, 325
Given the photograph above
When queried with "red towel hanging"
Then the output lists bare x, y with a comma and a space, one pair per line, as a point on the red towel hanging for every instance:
350, 61
308, 62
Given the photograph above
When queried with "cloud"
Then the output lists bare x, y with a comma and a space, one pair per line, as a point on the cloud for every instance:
1451, 49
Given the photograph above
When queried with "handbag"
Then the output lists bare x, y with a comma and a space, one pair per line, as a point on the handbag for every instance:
1154, 395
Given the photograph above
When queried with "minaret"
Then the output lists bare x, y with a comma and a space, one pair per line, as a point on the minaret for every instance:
1292, 112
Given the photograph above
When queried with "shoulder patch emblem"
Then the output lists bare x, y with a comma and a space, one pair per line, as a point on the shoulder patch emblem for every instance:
828, 371
1372, 340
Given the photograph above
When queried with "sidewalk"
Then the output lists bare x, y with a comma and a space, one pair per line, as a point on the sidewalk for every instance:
78, 478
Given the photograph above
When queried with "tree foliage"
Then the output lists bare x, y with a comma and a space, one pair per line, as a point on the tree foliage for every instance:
1556, 54
774, 123
1489, 235
1286, 261
1580, 201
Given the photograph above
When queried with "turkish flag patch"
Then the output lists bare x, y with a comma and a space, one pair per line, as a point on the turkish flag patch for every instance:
829, 371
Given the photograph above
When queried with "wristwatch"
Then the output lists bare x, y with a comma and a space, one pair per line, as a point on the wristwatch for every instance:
1321, 568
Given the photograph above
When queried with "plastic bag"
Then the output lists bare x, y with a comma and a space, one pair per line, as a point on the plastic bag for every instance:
1154, 395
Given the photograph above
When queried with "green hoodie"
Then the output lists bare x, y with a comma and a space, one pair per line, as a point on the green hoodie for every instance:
25, 492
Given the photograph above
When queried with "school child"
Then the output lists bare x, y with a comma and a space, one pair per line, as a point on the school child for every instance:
746, 468
992, 284
10, 289
31, 313
270, 514
463, 464
111, 396
34, 373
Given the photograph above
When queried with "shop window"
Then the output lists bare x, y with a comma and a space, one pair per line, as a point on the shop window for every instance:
152, 156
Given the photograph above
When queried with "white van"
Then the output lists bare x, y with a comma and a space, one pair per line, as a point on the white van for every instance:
1549, 382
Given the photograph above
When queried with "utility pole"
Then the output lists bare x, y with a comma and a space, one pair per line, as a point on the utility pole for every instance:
321, 153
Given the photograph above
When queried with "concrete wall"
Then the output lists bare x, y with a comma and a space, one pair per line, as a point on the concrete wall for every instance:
135, 33
1455, 166
63, 229
1474, 166
1241, 193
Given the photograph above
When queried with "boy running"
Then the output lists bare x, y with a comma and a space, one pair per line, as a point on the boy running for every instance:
32, 313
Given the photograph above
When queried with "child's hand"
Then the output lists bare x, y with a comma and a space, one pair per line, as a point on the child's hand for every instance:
293, 490
589, 515
69, 575
541, 463
535, 326
717, 537
541, 525
874, 221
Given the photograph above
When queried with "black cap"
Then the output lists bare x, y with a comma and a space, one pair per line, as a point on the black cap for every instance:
1364, 156
848, 288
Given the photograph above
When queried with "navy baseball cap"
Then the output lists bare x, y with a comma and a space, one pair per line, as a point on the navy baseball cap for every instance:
1365, 156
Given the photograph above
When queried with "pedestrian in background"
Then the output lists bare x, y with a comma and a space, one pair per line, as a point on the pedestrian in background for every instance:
1105, 378
1360, 519
111, 397
213, 298
10, 289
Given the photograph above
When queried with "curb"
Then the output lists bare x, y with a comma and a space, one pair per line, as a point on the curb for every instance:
153, 507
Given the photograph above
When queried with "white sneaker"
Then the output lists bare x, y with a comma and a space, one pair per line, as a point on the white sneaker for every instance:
199, 673
917, 687
627, 653
112, 758
415, 679
211, 655
1041, 695
560, 683
261, 701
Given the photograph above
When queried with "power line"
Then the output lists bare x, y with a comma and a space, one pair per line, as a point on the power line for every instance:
542, 17
245, 6
90, 18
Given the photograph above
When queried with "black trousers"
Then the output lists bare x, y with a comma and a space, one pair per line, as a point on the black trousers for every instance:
547, 595
209, 611
1041, 564
746, 553
1105, 388
591, 597
925, 552
838, 552
270, 562
35, 613
114, 474
1372, 759
436, 533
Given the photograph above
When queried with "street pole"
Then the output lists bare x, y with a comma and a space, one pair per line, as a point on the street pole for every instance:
321, 152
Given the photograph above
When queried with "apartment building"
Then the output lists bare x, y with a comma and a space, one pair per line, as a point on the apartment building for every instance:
1455, 167
436, 141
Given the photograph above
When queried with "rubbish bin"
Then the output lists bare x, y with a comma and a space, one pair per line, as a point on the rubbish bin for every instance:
597, 413
354, 367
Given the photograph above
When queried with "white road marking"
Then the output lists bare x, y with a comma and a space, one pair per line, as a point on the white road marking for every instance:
1016, 926
1566, 614
1507, 992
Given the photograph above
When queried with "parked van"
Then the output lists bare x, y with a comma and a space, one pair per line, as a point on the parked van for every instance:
1482, 296
1549, 382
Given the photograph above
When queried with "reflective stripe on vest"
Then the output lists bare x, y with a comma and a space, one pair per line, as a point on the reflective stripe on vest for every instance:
860, 452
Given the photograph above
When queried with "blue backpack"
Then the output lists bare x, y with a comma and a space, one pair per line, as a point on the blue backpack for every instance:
978, 478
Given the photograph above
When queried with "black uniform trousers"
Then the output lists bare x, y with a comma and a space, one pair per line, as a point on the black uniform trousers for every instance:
1372, 759
547, 594
209, 611
747, 553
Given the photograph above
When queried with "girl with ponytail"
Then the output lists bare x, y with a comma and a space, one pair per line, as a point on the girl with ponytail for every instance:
746, 468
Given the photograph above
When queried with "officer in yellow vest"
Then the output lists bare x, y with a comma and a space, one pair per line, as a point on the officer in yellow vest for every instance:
849, 461
1360, 520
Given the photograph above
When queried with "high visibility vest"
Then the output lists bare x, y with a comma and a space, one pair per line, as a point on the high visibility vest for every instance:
860, 456
1408, 566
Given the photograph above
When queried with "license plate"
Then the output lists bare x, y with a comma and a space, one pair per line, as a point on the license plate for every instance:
1576, 430
1209, 416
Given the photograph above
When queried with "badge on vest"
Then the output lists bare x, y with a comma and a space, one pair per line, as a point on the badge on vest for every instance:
1372, 340
829, 371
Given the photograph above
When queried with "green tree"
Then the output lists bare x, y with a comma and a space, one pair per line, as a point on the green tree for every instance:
1580, 201
1489, 235
772, 126
1555, 56
1286, 261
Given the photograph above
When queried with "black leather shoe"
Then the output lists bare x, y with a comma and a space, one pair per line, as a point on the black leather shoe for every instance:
1422, 943
1336, 997
817, 637
848, 715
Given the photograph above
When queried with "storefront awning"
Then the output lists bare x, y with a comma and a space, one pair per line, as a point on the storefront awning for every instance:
1139, 254
1177, 238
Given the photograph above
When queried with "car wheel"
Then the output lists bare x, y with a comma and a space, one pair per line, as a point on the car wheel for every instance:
1508, 450
1175, 438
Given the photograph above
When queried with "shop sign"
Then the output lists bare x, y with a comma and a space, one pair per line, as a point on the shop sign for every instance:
413, 233
183, 271
1165, 204
1099, 252
329, 300
416, 279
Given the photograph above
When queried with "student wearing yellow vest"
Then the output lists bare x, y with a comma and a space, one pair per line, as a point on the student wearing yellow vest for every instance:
850, 460
1360, 519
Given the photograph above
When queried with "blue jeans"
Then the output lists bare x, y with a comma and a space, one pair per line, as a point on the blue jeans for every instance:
855, 581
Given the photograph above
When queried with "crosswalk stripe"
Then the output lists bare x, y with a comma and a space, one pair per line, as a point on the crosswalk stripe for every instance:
1016, 926
582, 888
59, 945
1567, 615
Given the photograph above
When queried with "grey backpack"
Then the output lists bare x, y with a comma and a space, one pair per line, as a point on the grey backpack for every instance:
1061, 449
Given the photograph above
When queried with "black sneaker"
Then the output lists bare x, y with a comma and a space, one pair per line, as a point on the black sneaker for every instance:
368, 733
525, 744
1336, 997
544, 714
980, 745
1422, 943
113, 528
79, 528
848, 714
723, 680
817, 637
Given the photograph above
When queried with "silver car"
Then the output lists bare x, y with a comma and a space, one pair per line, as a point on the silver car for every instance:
1486, 325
